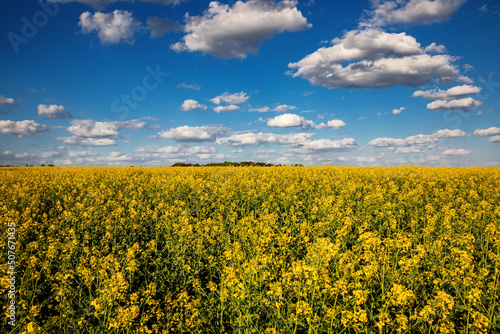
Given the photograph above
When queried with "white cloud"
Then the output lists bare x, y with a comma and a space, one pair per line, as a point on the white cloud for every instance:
43, 156
433, 47
91, 128
52, 111
230, 107
494, 139
460, 152
246, 139
417, 140
290, 121
468, 67
336, 124
201, 150
189, 105
374, 59
492, 131
158, 149
447, 133
261, 109
452, 93
412, 140
406, 149
235, 98
181, 152
21, 128
398, 111
80, 154
320, 126
357, 159
388, 12
465, 79
100, 4
465, 104
284, 107
119, 157
112, 28
81, 141
194, 133
160, 27
6, 101
234, 32
329, 145
189, 86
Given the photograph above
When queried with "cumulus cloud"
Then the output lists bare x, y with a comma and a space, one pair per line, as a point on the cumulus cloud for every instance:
417, 140
465, 104
117, 158
52, 111
182, 152
189, 105
90, 128
447, 133
468, 67
230, 107
250, 138
465, 79
160, 27
43, 156
284, 107
100, 4
194, 133
433, 47
189, 86
460, 152
406, 149
290, 121
398, 111
388, 12
336, 124
452, 93
22, 128
233, 32
112, 28
82, 141
374, 59
261, 109
492, 131
236, 98
158, 149
6, 101
494, 139
80, 154
329, 145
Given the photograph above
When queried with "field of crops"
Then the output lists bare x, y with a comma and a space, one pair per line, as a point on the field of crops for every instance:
251, 250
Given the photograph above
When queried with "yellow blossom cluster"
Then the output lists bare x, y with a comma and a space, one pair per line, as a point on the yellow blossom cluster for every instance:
253, 250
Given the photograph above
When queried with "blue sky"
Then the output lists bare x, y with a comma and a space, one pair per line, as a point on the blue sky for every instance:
154, 82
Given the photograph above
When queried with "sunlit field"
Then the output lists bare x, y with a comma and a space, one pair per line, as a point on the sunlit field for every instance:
252, 249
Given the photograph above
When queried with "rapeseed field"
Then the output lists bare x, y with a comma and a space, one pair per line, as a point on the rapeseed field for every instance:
252, 250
